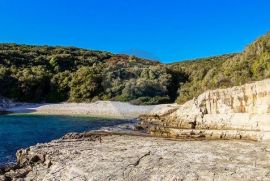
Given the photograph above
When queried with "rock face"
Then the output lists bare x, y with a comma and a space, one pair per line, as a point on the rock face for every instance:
125, 157
241, 112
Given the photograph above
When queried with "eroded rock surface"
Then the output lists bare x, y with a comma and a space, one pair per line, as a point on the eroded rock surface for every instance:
123, 157
241, 112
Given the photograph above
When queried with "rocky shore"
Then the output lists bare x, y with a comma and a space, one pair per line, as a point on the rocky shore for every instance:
220, 135
103, 156
241, 112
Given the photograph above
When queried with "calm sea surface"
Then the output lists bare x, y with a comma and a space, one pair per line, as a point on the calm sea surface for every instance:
21, 131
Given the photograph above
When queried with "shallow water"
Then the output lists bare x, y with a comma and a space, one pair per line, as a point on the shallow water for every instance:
22, 131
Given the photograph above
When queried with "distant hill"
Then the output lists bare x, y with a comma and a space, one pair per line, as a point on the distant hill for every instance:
54, 74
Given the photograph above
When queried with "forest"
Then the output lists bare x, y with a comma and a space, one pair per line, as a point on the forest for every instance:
57, 74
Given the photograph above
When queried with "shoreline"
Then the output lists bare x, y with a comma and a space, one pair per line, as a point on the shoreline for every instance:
126, 155
123, 127
83, 155
64, 115
108, 110
99, 109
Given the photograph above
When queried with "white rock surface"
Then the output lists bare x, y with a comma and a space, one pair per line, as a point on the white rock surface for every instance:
244, 108
148, 158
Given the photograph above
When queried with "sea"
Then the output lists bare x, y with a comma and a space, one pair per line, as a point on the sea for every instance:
23, 130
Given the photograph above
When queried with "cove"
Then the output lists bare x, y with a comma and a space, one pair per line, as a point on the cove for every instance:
22, 131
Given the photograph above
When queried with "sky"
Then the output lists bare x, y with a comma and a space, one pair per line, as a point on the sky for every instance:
164, 30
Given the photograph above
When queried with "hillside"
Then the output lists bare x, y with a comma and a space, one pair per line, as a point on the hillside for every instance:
55, 74
252, 64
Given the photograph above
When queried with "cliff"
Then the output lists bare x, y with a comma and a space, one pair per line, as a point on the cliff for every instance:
241, 112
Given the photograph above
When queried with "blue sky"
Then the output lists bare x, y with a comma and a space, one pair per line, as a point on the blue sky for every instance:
167, 30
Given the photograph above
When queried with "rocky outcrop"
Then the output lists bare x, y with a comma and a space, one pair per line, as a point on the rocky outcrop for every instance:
32, 157
241, 112
43, 155
26, 159
94, 156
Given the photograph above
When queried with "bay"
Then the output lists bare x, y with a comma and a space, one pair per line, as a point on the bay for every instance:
22, 131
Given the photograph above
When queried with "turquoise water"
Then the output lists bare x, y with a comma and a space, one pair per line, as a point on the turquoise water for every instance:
22, 131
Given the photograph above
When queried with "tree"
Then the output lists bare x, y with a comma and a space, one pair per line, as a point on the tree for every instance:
34, 84
8, 83
86, 84
60, 86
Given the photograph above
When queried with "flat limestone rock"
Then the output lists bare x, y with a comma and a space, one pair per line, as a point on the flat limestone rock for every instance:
125, 157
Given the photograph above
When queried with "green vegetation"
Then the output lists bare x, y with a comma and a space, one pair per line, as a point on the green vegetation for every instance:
55, 74
225, 71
